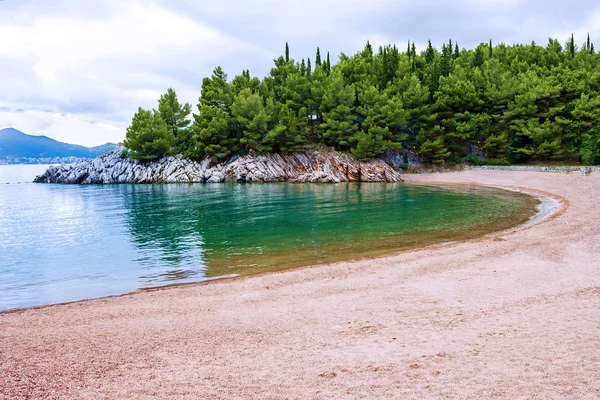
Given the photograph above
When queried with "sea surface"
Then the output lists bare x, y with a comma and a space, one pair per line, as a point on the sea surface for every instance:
61, 243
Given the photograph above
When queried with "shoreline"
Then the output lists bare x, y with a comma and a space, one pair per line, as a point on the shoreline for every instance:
510, 316
547, 207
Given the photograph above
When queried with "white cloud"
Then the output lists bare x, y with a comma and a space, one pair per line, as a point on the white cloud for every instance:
590, 26
106, 67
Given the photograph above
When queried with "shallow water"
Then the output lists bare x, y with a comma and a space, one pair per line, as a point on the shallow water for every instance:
61, 242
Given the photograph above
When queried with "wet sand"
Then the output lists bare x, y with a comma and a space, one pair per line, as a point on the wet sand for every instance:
511, 316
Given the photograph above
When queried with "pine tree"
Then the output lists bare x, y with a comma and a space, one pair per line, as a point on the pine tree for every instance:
478, 57
287, 52
213, 133
496, 145
289, 132
434, 151
251, 118
148, 137
338, 113
176, 116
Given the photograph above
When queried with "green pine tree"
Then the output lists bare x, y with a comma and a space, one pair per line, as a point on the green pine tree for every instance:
176, 116
148, 137
434, 151
213, 132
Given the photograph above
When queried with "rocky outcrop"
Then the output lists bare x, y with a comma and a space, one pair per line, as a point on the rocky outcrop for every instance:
325, 166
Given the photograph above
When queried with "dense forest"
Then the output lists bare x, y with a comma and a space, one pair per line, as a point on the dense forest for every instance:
506, 104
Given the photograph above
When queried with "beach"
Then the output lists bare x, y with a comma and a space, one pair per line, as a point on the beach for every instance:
512, 315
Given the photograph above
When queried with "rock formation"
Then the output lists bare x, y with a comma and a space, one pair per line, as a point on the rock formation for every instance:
326, 166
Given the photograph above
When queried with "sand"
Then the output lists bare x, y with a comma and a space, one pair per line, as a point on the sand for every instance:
513, 316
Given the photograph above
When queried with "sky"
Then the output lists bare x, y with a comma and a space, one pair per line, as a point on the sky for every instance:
77, 70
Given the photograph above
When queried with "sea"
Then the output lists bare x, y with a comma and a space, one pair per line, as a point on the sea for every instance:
62, 243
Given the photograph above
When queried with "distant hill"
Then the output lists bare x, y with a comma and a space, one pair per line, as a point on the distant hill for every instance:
16, 145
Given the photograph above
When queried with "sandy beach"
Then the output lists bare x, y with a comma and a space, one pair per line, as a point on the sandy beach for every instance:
512, 316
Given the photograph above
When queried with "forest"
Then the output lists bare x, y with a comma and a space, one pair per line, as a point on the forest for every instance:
494, 104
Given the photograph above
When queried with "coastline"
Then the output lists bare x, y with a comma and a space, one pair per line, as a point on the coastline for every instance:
546, 207
488, 317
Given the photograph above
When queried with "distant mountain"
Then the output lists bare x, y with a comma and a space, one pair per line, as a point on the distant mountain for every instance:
15, 145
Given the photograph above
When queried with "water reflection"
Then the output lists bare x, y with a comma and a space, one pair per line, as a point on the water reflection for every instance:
61, 243
213, 230
162, 222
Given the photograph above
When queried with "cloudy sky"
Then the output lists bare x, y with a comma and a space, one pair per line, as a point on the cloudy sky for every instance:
77, 70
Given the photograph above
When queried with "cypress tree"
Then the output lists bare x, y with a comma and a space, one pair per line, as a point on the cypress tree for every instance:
408, 51
414, 50
491, 50
588, 48
318, 57
456, 51
368, 49
571, 46
445, 62
303, 68
592, 48
429, 53
328, 66
287, 52
308, 67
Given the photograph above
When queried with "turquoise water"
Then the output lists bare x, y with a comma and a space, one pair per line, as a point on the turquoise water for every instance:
61, 243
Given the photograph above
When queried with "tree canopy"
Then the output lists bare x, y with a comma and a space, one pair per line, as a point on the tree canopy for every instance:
516, 104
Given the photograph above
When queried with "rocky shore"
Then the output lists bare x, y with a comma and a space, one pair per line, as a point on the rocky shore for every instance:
326, 166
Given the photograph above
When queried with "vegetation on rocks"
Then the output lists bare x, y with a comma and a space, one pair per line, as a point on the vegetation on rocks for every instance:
518, 104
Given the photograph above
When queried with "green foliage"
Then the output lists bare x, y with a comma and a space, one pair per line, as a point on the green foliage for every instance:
473, 159
251, 118
148, 137
519, 104
338, 113
434, 151
176, 116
